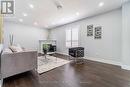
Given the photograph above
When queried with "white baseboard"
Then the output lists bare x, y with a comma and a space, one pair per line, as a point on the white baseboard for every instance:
123, 66
98, 60
62, 53
126, 67
104, 61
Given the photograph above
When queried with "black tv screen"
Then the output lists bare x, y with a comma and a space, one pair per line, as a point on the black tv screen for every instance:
52, 48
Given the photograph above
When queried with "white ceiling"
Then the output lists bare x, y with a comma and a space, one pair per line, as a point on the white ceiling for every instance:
46, 15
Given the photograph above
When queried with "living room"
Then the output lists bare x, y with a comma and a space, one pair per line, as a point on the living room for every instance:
65, 43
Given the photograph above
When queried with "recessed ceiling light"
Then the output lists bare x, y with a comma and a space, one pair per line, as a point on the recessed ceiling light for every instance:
101, 4
25, 14
21, 20
77, 13
35, 23
31, 5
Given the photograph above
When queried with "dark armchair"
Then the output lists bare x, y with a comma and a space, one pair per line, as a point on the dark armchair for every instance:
76, 52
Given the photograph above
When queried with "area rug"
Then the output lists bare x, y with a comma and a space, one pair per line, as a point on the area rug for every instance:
50, 63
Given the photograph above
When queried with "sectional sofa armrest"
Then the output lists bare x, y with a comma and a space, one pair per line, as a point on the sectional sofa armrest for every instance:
15, 63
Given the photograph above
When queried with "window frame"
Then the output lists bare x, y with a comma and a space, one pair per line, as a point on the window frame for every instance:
71, 41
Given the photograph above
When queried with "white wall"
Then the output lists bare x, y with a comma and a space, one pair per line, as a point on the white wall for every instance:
26, 36
126, 35
107, 48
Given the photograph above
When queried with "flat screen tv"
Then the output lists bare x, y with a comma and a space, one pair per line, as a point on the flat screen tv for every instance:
52, 48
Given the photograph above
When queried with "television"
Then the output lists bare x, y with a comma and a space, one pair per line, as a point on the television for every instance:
52, 48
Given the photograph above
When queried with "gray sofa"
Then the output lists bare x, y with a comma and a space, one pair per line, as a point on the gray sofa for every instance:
16, 63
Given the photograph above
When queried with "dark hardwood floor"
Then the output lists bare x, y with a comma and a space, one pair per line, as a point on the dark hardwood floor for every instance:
89, 74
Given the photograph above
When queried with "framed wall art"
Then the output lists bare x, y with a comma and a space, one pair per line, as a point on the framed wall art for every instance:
90, 30
98, 32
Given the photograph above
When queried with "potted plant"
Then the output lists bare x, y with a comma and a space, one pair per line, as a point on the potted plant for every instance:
45, 48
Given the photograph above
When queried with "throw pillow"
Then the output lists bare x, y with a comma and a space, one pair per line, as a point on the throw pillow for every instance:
7, 51
16, 49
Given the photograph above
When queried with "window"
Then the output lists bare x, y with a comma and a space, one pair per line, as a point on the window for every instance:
72, 37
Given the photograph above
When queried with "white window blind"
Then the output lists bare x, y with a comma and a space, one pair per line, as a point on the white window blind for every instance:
72, 37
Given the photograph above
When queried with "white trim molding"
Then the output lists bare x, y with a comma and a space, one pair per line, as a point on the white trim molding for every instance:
123, 66
126, 67
62, 53
104, 61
